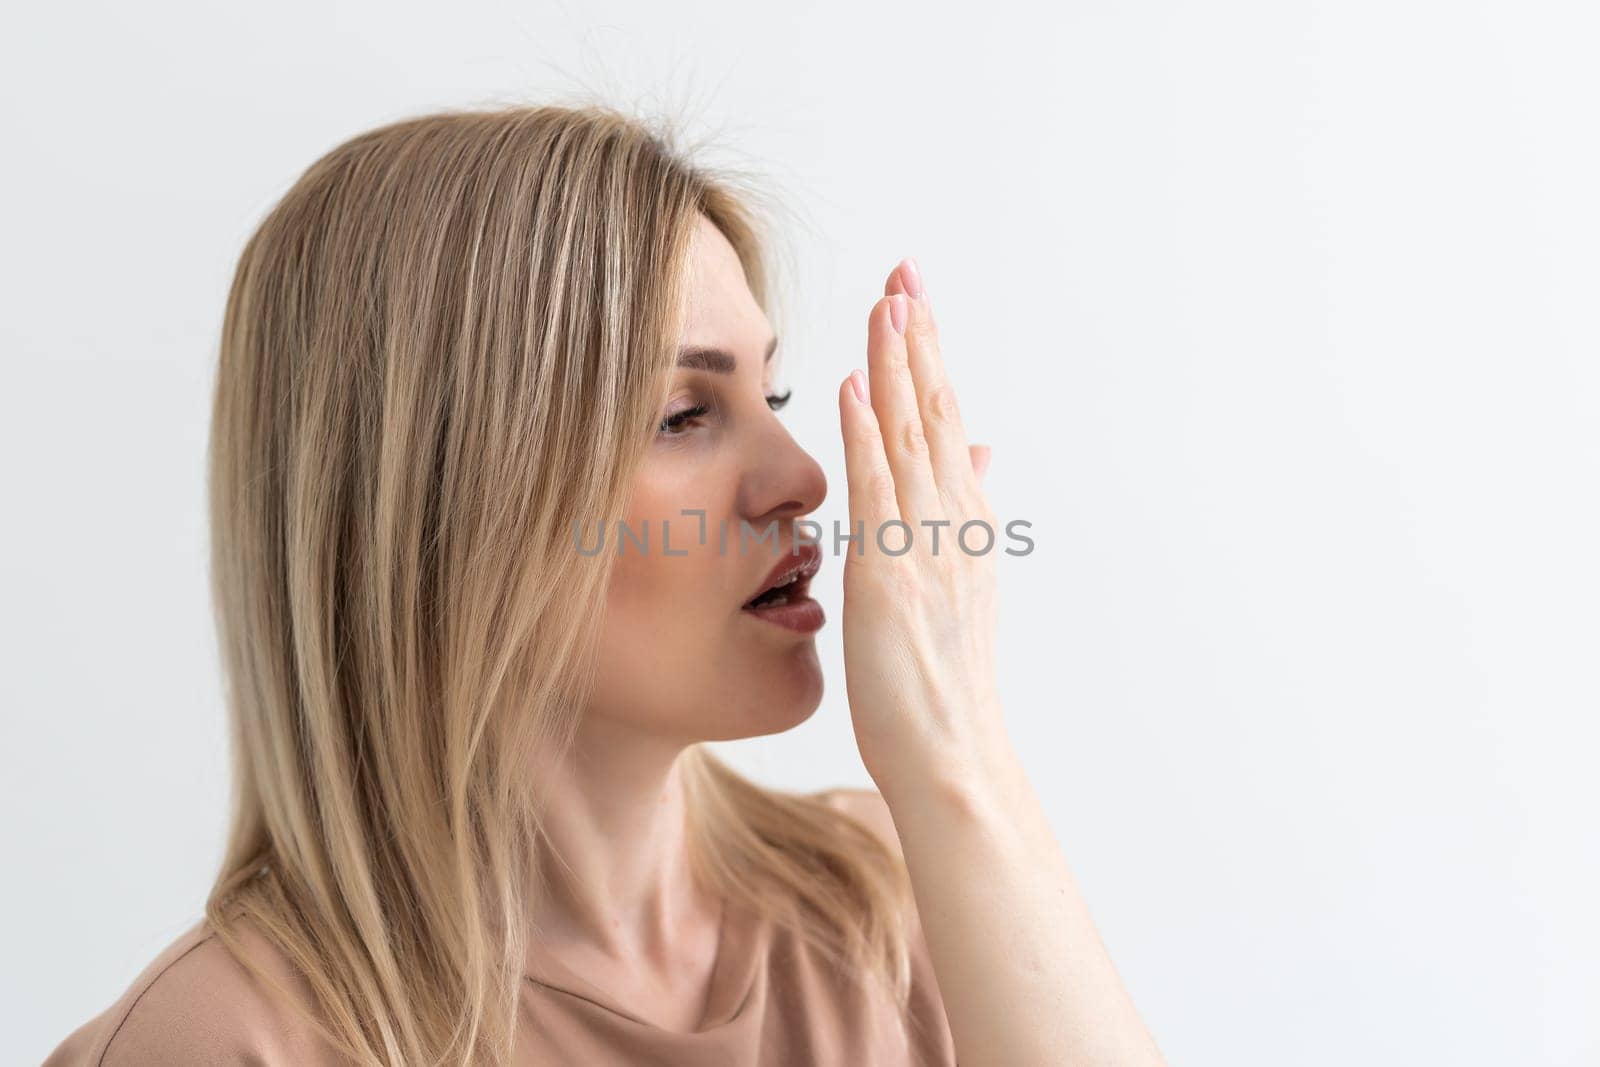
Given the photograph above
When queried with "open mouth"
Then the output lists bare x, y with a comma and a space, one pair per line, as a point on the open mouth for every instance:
794, 589
787, 582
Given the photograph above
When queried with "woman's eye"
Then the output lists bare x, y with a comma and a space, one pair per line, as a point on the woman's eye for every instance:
677, 423
672, 424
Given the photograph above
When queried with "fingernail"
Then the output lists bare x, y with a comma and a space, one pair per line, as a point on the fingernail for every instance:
858, 382
912, 278
897, 312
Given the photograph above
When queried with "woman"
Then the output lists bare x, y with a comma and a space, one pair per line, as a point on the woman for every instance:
473, 822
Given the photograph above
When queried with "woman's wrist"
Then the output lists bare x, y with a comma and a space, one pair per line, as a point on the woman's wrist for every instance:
976, 783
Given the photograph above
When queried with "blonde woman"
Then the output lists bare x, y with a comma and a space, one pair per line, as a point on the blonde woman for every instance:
473, 822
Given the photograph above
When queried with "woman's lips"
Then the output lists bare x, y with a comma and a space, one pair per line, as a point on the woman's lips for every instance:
793, 610
790, 605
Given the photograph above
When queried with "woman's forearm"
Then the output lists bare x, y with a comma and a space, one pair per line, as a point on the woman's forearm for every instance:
1023, 974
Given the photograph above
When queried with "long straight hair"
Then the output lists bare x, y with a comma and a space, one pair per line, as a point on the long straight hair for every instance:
448, 342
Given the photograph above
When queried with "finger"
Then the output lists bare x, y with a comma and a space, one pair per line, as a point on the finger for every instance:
896, 283
980, 460
894, 400
871, 482
936, 399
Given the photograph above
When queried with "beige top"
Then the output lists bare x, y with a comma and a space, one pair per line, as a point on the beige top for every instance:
771, 1001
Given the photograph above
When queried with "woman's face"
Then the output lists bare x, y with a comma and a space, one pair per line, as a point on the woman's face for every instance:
680, 655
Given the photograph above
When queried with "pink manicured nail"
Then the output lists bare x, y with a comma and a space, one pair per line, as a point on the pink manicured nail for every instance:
858, 382
897, 312
912, 277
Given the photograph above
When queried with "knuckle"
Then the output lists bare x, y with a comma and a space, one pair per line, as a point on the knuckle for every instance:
941, 406
911, 440
900, 370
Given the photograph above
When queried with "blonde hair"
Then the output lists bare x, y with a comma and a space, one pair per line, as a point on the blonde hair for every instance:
446, 343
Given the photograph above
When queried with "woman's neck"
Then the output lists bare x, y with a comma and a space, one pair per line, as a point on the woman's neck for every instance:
615, 856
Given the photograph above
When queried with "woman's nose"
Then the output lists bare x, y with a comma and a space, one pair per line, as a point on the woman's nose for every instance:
784, 482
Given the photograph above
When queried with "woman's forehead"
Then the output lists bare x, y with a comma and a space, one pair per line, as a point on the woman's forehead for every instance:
722, 311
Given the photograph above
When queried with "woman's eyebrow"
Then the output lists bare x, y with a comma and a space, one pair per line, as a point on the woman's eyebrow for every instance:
715, 360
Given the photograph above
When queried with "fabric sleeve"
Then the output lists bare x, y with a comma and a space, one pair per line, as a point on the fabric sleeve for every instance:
198, 1005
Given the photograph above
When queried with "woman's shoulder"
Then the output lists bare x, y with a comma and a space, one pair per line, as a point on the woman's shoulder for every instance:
869, 807
197, 1003
926, 1008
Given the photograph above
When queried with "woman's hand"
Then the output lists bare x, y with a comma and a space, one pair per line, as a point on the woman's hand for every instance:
1023, 975
919, 621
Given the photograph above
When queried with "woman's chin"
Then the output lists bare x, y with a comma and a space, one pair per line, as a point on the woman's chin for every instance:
786, 695
768, 722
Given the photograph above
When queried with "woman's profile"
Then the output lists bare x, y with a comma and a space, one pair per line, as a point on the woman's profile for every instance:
505, 525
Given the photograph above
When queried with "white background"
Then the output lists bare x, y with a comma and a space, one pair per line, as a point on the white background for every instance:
1280, 317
